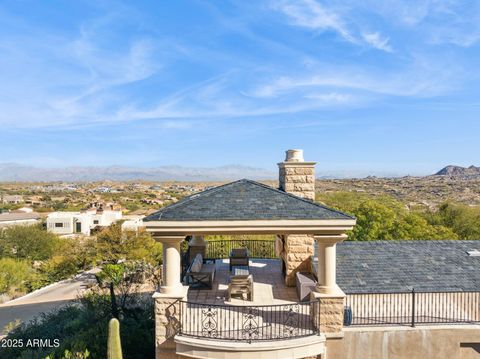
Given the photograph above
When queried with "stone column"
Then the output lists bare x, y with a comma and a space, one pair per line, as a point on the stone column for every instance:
297, 177
329, 313
168, 300
326, 271
171, 264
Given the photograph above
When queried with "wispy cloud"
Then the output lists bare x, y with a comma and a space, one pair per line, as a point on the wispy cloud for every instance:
316, 16
377, 41
313, 15
420, 80
72, 78
437, 21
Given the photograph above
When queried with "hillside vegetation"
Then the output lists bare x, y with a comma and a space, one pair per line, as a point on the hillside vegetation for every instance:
383, 217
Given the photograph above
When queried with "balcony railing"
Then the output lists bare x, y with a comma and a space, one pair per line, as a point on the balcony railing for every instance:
412, 308
248, 323
261, 249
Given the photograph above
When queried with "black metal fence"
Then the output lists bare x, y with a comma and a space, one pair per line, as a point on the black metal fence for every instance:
412, 308
248, 323
220, 249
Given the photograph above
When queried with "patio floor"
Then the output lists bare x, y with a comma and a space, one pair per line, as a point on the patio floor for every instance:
269, 287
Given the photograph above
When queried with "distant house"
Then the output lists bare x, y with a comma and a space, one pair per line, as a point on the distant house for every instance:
83, 222
34, 200
12, 199
132, 222
18, 218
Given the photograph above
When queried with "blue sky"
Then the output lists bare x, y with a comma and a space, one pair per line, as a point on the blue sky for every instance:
388, 87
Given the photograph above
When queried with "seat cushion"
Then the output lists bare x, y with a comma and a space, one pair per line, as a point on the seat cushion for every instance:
207, 268
197, 264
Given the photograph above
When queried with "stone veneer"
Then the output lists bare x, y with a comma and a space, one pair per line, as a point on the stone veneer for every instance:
167, 323
298, 251
331, 315
297, 177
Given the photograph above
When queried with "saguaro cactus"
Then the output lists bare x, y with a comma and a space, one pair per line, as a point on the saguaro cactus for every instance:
114, 350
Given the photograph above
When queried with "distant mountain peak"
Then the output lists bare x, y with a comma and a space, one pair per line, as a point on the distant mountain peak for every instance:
459, 171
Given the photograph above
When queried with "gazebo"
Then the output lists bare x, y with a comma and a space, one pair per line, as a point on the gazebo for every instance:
249, 207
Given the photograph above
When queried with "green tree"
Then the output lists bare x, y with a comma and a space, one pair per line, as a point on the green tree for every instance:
385, 218
415, 226
461, 219
28, 242
113, 245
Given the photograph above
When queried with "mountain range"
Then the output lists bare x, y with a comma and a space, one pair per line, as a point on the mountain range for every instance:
458, 171
11, 172
21, 173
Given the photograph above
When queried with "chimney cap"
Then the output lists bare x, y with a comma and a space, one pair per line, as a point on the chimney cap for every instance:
294, 156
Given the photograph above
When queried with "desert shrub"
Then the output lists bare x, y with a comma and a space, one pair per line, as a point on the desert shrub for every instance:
13, 275
59, 267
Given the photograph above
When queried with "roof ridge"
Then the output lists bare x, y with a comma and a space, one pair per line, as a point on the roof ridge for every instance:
187, 199
296, 197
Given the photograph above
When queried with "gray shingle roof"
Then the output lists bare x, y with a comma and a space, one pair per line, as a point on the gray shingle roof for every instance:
389, 266
244, 200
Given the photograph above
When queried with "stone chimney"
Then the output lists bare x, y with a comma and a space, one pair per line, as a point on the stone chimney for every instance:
297, 176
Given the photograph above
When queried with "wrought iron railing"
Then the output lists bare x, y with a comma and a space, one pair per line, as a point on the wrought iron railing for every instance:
412, 308
248, 323
220, 249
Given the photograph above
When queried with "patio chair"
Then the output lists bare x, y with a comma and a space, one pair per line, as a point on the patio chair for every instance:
240, 285
239, 257
200, 275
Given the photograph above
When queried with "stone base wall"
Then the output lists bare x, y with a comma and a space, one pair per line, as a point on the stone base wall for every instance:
167, 323
298, 252
423, 342
330, 319
331, 315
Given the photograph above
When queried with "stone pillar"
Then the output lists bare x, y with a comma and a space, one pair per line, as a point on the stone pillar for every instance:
329, 313
298, 251
167, 301
171, 264
167, 322
297, 177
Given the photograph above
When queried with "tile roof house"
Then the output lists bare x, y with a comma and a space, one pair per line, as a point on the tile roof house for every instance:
352, 284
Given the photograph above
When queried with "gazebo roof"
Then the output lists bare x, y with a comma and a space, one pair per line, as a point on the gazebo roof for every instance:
245, 200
